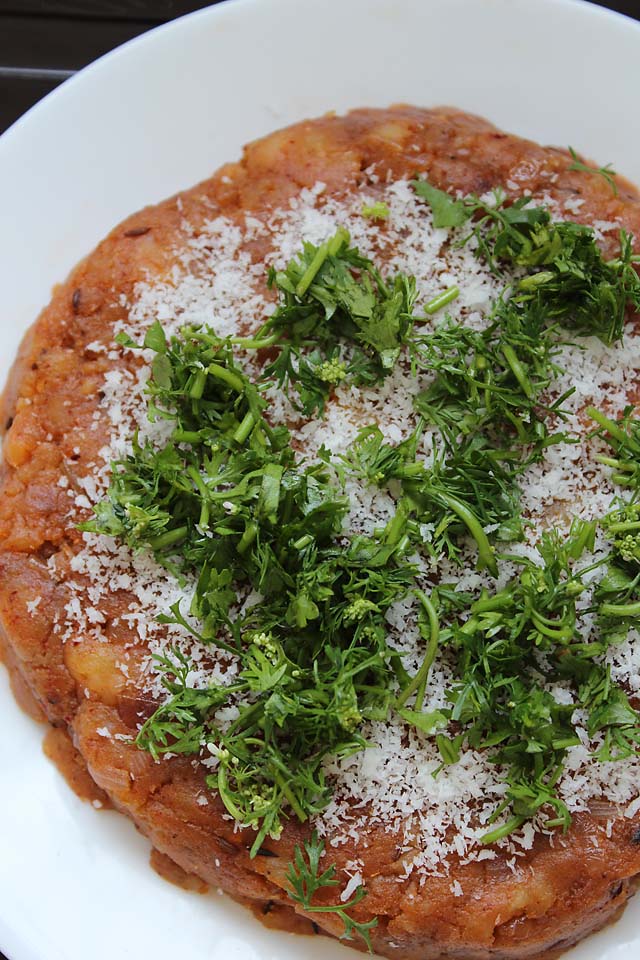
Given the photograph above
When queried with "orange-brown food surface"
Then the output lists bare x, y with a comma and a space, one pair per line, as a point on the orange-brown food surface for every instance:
557, 893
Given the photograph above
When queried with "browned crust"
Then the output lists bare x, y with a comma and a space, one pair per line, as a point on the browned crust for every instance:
559, 893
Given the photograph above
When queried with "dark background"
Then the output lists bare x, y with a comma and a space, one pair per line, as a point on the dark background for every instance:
42, 42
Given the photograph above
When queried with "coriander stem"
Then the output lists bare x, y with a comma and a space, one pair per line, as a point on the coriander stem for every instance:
536, 279
486, 556
225, 795
419, 680
620, 609
517, 424
251, 343
167, 539
558, 822
198, 481
609, 425
566, 742
394, 529
622, 479
198, 385
312, 270
377, 211
246, 426
328, 249
518, 370
624, 526
302, 542
554, 633
338, 240
226, 376
242, 721
442, 299
396, 665
186, 436
494, 835
291, 797
615, 464
247, 538
491, 604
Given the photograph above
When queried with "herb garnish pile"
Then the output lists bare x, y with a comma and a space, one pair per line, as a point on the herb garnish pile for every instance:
226, 501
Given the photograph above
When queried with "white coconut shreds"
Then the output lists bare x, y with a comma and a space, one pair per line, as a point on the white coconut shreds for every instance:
215, 281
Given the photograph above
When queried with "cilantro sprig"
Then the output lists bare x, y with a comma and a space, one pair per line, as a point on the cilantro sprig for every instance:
623, 436
336, 301
606, 172
492, 380
305, 878
568, 278
459, 491
513, 645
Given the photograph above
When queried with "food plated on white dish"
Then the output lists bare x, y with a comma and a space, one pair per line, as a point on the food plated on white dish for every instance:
377, 221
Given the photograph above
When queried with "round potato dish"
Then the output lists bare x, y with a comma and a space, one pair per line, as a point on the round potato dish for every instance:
320, 534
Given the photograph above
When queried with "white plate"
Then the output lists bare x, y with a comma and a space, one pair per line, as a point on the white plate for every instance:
155, 116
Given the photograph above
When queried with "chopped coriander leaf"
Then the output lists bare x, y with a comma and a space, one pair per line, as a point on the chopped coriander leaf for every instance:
607, 172
179, 725
447, 212
512, 232
492, 379
464, 493
512, 644
333, 297
305, 879
578, 287
224, 482
617, 595
313, 374
498, 699
376, 211
623, 525
371, 458
610, 715
617, 605
465, 489
429, 627
569, 280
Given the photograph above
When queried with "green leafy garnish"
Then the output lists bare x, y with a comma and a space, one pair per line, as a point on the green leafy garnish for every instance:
376, 211
570, 281
333, 298
441, 300
446, 211
512, 644
491, 380
224, 500
305, 879
462, 490
607, 172
623, 436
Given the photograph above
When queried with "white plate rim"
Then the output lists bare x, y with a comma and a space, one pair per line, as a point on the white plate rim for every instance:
19, 949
